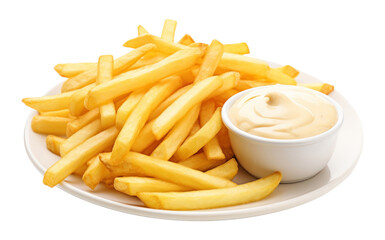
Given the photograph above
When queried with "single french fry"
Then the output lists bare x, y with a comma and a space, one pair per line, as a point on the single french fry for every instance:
244, 64
207, 132
230, 80
49, 103
144, 139
141, 30
168, 31
148, 59
226, 170
163, 45
237, 48
120, 64
72, 69
288, 70
57, 113
177, 135
166, 103
183, 104
210, 61
81, 121
128, 106
139, 116
176, 173
79, 156
50, 125
212, 149
80, 136
200, 162
321, 87
80, 170
246, 84
53, 143
95, 173
274, 75
135, 79
134, 185
104, 74
186, 40
76, 105
214, 198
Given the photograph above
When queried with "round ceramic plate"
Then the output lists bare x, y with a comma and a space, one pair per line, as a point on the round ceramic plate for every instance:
341, 164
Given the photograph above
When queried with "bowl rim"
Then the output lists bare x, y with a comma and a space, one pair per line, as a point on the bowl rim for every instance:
230, 125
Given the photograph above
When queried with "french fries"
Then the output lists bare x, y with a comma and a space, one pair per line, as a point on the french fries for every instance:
149, 123
139, 116
69, 70
168, 31
120, 64
183, 104
214, 198
201, 137
135, 79
50, 125
104, 74
176, 173
78, 156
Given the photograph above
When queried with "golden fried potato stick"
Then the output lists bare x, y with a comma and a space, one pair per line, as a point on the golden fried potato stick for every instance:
230, 80
177, 135
128, 106
186, 40
212, 149
176, 173
80, 136
95, 173
288, 70
134, 185
183, 104
104, 74
143, 77
194, 128
141, 30
166, 103
226, 170
210, 61
120, 64
76, 105
81, 121
237, 48
244, 64
321, 87
163, 45
80, 170
72, 69
145, 138
49, 103
139, 116
57, 113
53, 143
50, 125
214, 198
168, 31
207, 132
246, 84
79, 156
274, 75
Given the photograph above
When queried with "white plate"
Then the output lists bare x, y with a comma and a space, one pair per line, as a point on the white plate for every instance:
341, 164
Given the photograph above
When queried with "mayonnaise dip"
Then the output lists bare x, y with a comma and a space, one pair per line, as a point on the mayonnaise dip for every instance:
283, 112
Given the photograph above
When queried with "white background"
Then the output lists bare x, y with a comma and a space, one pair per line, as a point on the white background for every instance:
340, 42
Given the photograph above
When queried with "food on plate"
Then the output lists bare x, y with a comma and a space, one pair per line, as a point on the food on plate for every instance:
148, 122
283, 112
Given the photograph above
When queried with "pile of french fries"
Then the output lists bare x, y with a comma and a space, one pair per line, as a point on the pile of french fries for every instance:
148, 123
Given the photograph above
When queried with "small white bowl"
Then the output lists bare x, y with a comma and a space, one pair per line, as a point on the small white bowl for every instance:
296, 159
